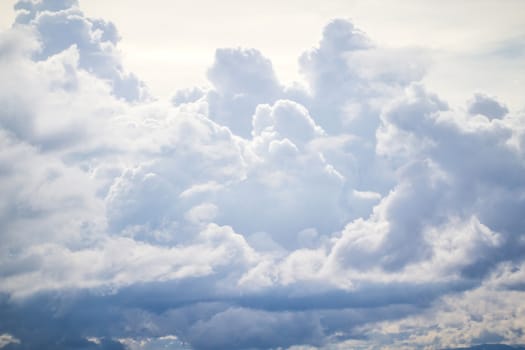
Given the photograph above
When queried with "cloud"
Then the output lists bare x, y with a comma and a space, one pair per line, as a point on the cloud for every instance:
62, 24
487, 106
351, 78
241, 328
357, 211
6, 339
242, 79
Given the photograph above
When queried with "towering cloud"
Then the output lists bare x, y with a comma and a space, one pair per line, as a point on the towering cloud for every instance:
362, 211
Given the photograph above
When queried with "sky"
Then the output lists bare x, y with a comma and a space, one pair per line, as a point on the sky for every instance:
474, 45
261, 175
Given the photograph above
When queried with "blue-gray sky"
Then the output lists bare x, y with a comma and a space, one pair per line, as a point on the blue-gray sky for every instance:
262, 176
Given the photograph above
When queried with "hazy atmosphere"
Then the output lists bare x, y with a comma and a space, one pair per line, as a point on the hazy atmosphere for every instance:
262, 175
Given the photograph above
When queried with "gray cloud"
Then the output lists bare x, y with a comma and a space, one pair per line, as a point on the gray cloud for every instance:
487, 106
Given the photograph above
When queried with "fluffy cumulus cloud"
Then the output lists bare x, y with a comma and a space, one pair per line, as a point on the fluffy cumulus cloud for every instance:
357, 211
61, 24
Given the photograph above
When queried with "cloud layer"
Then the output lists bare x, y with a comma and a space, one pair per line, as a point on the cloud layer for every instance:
359, 211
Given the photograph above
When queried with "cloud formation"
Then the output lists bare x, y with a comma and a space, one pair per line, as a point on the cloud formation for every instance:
356, 211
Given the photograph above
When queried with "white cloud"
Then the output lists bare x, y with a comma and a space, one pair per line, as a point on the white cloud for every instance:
6, 339
60, 25
251, 214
